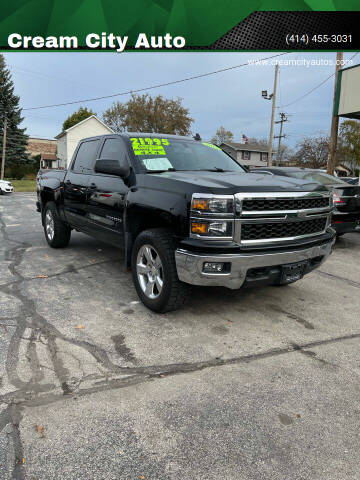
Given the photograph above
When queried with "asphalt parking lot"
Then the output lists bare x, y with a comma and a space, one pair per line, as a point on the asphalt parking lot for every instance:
256, 384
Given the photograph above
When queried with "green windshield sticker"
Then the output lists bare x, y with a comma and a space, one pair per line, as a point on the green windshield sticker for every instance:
156, 163
211, 145
148, 150
149, 146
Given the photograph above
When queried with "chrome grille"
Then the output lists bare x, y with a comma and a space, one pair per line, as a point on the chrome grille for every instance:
256, 231
265, 218
285, 203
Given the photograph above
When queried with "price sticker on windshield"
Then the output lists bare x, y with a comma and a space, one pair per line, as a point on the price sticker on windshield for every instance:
149, 146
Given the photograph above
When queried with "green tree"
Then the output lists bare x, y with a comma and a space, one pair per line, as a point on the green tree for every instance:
77, 117
222, 136
16, 139
143, 113
349, 144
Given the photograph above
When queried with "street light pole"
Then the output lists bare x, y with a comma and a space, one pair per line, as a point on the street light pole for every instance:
271, 138
3, 151
272, 97
334, 121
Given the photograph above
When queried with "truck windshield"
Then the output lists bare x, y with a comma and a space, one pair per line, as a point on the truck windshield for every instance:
165, 154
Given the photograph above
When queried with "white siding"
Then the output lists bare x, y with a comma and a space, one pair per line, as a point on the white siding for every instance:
349, 101
90, 128
62, 151
254, 161
68, 141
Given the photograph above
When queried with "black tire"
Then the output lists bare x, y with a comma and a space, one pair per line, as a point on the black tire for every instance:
174, 293
60, 237
1, 192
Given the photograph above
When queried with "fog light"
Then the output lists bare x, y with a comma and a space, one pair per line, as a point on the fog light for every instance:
213, 267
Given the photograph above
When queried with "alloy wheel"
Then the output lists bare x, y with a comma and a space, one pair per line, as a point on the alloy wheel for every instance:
49, 225
149, 271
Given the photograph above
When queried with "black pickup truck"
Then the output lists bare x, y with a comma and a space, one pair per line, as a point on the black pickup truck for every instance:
186, 214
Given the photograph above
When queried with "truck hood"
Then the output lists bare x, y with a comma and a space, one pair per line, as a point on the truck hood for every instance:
226, 182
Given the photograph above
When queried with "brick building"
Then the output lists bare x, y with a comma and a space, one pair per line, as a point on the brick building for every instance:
37, 146
46, 148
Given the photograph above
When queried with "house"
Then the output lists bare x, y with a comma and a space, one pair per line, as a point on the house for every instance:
68, 139
40, 146
49, 160
248, 154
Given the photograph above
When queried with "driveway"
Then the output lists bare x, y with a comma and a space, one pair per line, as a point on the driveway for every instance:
254, 384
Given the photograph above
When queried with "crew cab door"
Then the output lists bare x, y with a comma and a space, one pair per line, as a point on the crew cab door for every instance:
106, 196
76, 183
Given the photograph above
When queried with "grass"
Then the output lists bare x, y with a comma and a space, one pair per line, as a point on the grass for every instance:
24, 185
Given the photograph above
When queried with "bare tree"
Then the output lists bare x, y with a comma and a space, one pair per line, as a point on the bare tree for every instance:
261, 142
222, 136
285, 154
312, 152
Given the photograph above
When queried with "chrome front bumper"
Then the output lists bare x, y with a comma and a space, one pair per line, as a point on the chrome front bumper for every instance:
190, 265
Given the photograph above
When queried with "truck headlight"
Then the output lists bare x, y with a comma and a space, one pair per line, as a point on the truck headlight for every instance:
212, 204
211, 228
212, 216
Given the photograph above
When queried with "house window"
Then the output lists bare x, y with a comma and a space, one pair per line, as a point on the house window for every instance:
263, 156
246, 155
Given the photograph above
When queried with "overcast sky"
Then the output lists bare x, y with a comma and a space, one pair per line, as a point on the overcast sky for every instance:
232, 98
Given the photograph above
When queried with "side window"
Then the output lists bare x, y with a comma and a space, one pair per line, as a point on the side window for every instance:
113, 149
85, 157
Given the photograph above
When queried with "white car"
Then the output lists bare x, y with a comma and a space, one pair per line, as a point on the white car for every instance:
5, 187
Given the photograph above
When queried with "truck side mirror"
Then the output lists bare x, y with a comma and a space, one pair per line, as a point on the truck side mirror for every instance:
112, 167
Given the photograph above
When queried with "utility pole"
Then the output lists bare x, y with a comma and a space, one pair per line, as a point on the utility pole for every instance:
283, 119
334, 121
3, 150
271, 138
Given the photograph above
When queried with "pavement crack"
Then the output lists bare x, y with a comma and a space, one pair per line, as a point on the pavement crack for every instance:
12, 416
338, 277
302, 321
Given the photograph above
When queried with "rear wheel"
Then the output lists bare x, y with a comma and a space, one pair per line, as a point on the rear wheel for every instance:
57, 233
154, 271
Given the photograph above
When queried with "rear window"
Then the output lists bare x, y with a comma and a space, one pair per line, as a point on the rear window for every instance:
85, 157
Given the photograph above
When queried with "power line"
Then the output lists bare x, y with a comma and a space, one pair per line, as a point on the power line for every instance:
26, 71
317, 86
310, 91
153, 86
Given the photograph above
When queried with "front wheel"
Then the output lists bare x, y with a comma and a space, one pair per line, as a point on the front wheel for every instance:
154, 271
57, 233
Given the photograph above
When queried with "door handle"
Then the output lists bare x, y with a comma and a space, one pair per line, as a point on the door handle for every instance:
93, 186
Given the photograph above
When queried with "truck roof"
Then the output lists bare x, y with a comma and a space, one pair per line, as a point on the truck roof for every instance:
141, 134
